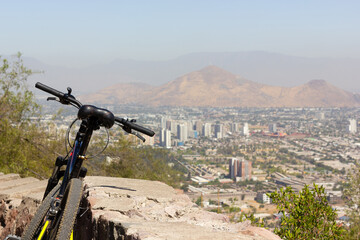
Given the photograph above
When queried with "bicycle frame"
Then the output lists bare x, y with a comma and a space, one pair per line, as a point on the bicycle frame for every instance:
73, 167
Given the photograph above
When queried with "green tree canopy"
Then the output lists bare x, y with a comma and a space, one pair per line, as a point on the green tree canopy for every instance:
16, 101
352, 199
306, 215
141, 163
24, 148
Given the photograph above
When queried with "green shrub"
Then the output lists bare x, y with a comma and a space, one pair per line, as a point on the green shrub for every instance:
306, 215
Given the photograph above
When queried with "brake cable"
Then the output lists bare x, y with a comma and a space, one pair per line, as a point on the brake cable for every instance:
67, 140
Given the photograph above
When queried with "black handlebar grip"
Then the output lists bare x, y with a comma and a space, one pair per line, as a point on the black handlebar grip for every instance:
141, 129
49, 90
135, 126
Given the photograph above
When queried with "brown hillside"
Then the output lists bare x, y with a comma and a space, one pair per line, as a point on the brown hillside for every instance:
210, 86
213, 86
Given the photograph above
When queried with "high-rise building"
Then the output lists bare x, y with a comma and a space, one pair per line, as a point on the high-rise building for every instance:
233, 168
245, 130
167, 139
234, 127
168, 124
190, 128
172, 126
162, 122
162, 137
240, 168
207, 130
199, 127
218, 130
352, 126
245, 170
182, 132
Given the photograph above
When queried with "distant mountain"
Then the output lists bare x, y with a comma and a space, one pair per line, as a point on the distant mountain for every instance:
262, 67
316, 93
213, 86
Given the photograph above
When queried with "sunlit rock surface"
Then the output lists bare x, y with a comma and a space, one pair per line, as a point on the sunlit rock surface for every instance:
121, 208
141, 209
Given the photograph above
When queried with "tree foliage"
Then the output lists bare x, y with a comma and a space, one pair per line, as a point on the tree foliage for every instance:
23, 147
306, 215
16, 101
352, 199
142, 163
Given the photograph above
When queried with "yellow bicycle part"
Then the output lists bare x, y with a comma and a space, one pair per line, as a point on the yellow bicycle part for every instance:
43, 230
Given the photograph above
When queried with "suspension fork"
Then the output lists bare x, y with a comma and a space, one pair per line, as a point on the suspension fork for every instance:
56, 175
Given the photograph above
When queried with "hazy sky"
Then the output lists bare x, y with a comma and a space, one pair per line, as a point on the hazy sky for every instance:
88, 32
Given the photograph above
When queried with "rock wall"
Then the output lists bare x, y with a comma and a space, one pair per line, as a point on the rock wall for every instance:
19, 199
120, 208
13, 219
139, 209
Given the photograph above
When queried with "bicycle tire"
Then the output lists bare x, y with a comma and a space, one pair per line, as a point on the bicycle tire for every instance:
40, 213
73, 195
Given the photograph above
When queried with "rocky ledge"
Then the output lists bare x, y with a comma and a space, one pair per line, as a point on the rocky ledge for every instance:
121, 208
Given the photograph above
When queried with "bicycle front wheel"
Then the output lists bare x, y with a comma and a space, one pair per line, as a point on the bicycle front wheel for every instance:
36, 223
72, 197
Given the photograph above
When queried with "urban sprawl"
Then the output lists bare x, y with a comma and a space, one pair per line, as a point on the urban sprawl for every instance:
234, 157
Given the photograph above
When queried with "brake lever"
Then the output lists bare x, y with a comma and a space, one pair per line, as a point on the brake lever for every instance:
139, 136
129, 130
62, 100
53, 99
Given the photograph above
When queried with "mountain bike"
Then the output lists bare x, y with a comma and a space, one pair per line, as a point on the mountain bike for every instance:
57, 214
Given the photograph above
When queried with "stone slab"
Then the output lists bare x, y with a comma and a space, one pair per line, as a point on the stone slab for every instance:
38, 195
134, 187
154, 230
16, 182
8, 177
151, 210
24, 190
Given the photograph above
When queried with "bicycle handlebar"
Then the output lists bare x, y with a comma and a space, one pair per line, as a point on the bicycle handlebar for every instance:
67, 98
134, 126
50, 90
